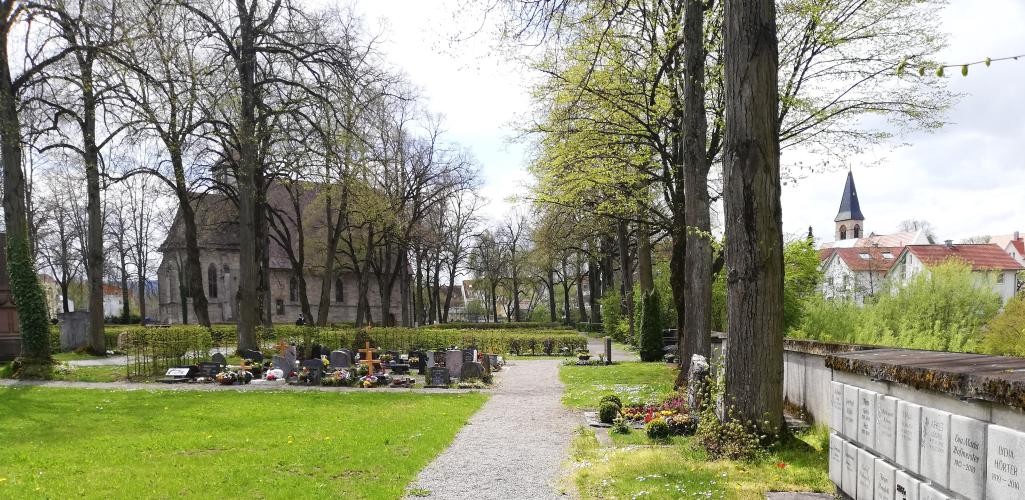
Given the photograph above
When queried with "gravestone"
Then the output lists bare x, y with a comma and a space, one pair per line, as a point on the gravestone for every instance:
850, 412
340, 359
438, 376
866, 475
697, 376
867, 417
1005, 463
209, 369
967, 456
399, 368
496, 362
471, 371
469, 355
283, 363
928, 492
835, 459
179, 374
316, 370
428, 360
608, 350
850, 469
884, 480
438, 358
905, 486
909, 432
836, 402
218, 358
74, 330
935, 454
886, 426
251, 354
454, 362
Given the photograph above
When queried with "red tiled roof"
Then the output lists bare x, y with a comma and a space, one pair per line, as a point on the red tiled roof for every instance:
980, 256
856, 260
1019, 245
825, 254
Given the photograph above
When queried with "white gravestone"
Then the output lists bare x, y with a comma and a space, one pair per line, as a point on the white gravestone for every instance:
930, 492
867, 417
909, 432
886, 426
835, 459
884, 480
850, 469
866, 475
850, 412
967, 456
454, 362
836, 402
935, 458
1005, 463
905, 486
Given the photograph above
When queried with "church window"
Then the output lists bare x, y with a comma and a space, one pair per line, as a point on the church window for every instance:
211, 281
857, 231
339, 291
843, 232
293, 289
279, 305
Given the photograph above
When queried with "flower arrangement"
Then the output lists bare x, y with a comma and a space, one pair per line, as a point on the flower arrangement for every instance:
367, 381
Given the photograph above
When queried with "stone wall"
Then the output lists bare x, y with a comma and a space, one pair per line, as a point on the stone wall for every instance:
927, 425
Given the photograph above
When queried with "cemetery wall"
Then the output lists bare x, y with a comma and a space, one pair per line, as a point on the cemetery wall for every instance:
926, 425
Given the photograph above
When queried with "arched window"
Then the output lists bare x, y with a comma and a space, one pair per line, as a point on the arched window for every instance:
339, 291
293, 289
857, 231
843, 232
211, 281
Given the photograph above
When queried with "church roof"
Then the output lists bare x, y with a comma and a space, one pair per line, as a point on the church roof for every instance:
850, 208
883, 240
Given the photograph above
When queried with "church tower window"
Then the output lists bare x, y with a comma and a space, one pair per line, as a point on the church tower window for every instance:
293, 289
843, 232
339, 291
211, 281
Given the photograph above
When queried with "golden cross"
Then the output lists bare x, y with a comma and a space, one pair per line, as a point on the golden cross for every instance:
368, 359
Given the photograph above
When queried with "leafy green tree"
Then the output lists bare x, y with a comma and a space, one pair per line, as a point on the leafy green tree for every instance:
651, 343
1005, 332
801, 279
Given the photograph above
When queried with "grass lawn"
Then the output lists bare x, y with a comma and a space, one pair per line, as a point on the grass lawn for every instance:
633, 381
113, 373
634, 468
135, 444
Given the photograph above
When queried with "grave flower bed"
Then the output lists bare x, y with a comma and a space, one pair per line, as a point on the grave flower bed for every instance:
673, 410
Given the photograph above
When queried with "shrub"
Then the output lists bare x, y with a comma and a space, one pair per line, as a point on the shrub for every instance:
727, 439
611, 313
607, 412
619, 426
651, 329
657, 429
1004, 333
152, 350
611, 398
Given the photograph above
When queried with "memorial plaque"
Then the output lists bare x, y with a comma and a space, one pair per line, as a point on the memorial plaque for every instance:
850, 412
1005, 469
866, 475
850, 469
905, 486
836, 402
930, 492
886, 426
835, 459
454, 362
909, 433
967, 474
867, 417
935, 454
884, 480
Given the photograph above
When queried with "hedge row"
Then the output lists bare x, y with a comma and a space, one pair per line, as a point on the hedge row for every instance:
466, 325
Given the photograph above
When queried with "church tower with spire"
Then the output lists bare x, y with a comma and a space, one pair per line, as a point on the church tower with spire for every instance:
850, 223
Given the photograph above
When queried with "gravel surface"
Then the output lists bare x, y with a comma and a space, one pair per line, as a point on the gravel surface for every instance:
513, 447
597, 346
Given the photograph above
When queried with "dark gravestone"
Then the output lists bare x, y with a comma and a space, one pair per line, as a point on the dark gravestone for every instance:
469, 356
438, 376
340, 359
282, 363
493, 360
315, 368
400, 368
608, 350
471, 371
179, 374
218, 358
74, 330
421, 362
316, 351
251, 354
210, 369
438, 357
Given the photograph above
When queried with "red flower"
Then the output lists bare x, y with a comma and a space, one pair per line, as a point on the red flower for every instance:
649, 415
781, 465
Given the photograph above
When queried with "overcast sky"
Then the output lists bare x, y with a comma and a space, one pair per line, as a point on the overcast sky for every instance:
967, 179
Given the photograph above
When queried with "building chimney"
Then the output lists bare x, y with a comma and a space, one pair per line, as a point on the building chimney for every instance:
949, 243
1017, 236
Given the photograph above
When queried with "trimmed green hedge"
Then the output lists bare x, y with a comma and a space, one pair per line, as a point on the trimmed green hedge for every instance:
151, 351
523, 325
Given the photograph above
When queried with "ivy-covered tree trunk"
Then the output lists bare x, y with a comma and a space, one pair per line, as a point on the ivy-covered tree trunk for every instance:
754, 240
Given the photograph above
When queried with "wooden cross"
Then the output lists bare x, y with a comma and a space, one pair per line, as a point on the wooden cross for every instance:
368, 359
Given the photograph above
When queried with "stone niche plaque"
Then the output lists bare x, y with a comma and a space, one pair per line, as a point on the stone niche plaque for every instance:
850, 469
909, 433
866, 475
905, 486
967, 474
886, 426
935, 454
930, 492
850, 412
835, 459
836, 403
867, 417
884, 476
1005, 463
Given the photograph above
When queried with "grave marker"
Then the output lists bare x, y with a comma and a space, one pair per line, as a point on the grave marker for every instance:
836, 402
340, 359
935, 454
850, 412
218, 358
867, 417
884, 477
967, 456
909, 433
886, 426
850, 469
1005, 463
454, 362
835, 459
438, 376
367, 359
905, 487
929, 492
866, 475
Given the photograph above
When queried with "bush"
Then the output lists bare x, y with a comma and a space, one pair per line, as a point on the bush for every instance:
727, 439
611, 313
611, 398
657, 430
1004, 333
151, 351
607, 412
651, 329
619, 426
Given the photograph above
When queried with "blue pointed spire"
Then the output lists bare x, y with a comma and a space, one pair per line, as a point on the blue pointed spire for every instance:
850, 209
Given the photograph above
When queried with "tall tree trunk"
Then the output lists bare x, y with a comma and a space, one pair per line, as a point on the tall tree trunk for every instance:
193, 269
126, 312
65, 306
645, 276
553, 315
697, 289
754, 240
594, 283
327, 281
626, 282
404, 288
580, 291
494, 300
94, 231
515, 285
250, 258
142, 297
449, 292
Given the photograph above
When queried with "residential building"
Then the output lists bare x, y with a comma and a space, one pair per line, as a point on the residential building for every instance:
991, 266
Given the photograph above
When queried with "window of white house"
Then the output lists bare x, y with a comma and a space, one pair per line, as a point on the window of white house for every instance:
1000, 278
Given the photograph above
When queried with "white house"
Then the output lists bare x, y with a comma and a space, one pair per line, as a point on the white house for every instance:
856, 273
989, 263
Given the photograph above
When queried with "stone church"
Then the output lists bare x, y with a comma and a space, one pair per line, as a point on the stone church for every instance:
218, 235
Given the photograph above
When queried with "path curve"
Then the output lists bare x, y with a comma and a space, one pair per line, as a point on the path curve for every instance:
513, 447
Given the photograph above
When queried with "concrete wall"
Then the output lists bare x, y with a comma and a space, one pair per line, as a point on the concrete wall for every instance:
806, 383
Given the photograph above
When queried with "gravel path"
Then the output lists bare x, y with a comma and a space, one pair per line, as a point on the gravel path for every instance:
514, 446
597, 345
